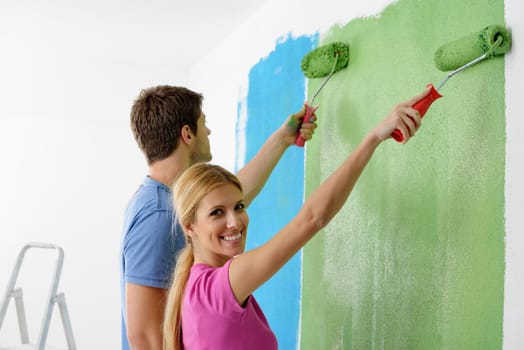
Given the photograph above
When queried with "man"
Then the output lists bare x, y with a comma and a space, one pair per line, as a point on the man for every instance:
169, 127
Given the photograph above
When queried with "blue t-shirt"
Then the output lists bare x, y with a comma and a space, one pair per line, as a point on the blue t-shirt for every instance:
151, 238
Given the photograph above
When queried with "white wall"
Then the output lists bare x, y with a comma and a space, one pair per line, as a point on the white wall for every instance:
514, 283
68, 77
67, 81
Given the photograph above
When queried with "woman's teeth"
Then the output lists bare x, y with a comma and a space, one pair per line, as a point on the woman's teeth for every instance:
233, 237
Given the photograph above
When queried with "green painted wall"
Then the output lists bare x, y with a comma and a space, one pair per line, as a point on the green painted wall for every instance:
415, 260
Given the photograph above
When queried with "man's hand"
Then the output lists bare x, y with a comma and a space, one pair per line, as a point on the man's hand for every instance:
294, 125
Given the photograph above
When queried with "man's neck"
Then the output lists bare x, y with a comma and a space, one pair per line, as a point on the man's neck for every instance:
167, 170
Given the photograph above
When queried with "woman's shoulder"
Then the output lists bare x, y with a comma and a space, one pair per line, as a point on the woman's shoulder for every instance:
203, 272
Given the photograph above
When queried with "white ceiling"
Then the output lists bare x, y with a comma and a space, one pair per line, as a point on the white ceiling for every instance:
130, 28
195, 27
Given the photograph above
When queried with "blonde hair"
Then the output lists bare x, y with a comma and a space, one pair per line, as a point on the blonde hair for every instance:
189, 189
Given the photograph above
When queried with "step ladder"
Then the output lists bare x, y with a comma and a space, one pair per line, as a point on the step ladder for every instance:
52, 299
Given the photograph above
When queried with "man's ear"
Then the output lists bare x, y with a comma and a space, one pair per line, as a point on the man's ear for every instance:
186, 135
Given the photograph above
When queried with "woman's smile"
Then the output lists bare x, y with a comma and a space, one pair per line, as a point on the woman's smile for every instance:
233, 237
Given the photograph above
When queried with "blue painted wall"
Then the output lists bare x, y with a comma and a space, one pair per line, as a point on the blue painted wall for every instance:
277, 89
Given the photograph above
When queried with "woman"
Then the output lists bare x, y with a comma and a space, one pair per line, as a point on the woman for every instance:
210, 303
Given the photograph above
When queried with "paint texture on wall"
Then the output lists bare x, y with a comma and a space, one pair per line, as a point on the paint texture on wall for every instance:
415, 260
276, 89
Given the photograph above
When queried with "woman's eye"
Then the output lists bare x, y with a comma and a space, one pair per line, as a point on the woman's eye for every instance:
216, 212
240, 206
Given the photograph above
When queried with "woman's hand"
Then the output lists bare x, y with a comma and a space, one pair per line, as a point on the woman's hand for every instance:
402, 117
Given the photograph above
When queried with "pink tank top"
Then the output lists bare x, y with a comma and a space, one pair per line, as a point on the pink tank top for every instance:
213, 319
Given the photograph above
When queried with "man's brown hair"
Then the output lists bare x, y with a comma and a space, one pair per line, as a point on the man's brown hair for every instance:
158, 115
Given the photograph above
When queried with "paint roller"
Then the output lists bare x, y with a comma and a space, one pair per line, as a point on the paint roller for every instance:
324, 60
455, 56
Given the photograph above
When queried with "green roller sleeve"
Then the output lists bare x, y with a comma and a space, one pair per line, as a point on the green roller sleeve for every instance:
457, 53
324, 60
319, 62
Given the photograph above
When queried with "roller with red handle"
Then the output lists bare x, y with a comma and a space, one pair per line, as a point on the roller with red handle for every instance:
307, 119
421, 106
322, 61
